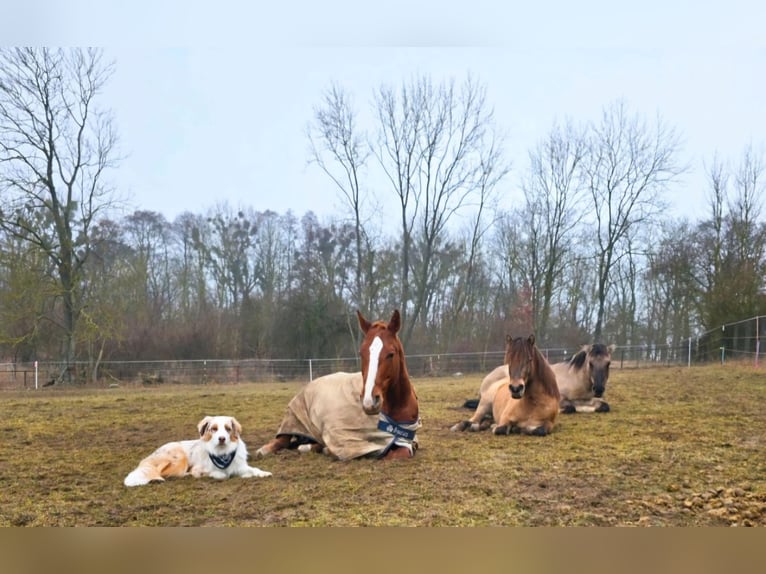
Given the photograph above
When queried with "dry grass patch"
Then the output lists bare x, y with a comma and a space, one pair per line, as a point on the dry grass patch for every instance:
682, 446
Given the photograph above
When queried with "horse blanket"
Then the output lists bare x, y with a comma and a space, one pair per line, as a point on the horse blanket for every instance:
328, 410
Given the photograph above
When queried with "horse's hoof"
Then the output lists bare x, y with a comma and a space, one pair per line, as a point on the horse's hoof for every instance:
602, 408
568, 409
460, 427
538, 431
500, 430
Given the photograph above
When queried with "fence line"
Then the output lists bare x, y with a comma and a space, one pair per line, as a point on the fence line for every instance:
733, 341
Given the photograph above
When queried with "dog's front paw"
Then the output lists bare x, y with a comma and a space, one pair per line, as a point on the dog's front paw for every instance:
262, 452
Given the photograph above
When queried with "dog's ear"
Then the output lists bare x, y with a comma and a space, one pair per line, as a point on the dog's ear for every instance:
236, 427
202, 425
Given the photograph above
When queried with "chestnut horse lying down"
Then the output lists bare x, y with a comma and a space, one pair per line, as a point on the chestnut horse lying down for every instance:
350, 415
525, 400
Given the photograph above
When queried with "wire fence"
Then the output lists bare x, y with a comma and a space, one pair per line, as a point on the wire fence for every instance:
738, 341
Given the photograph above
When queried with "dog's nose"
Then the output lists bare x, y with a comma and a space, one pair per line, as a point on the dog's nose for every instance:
222, 439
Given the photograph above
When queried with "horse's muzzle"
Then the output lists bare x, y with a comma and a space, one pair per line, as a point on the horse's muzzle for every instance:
598, 390
517, 391
374, 408
599, 385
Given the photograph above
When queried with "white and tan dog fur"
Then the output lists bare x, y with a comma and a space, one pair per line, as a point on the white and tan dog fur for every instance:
219, 453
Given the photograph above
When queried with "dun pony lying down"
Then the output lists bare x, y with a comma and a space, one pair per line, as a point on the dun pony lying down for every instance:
219, 453
526, 398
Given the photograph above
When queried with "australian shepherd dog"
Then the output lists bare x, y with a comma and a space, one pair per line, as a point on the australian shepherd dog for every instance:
219, 453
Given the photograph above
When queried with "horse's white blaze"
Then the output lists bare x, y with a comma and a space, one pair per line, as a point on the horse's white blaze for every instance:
372, 370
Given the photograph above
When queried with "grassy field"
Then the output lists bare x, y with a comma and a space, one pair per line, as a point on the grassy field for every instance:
682, 446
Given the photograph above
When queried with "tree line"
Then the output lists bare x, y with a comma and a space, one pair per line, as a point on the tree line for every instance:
581, 249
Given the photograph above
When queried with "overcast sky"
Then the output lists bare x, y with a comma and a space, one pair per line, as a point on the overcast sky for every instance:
212, 99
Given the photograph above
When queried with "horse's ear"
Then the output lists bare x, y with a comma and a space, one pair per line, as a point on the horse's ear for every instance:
364, 324
611, 348
508, 339
395, 322
531, 340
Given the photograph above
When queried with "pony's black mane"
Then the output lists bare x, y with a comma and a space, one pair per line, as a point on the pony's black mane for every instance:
578, 359
596, 350
599, 350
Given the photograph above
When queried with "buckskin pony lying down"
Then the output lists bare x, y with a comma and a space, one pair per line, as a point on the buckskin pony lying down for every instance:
372, 413
582, 379
525, 400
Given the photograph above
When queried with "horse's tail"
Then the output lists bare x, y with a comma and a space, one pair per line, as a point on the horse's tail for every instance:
471, 404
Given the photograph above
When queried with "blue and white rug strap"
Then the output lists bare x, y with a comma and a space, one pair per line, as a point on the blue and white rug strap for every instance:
402, 433
399, 430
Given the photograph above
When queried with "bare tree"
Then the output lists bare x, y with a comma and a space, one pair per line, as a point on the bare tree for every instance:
710, 237
274, 247
190, 275
114, 303
668, 288
227, 244
149, 236
26, 293
624, 300
438, 147
55, 146
747, 203
341, 151
630, 165
397, 150
553, 193
731, 242
484, 216
508, 251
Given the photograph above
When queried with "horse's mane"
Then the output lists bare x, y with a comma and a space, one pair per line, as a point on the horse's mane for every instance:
516, 348
578, 359
595, 350
544, 373
599, 350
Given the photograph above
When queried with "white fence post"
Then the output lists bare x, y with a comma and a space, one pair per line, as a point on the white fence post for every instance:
689, 359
